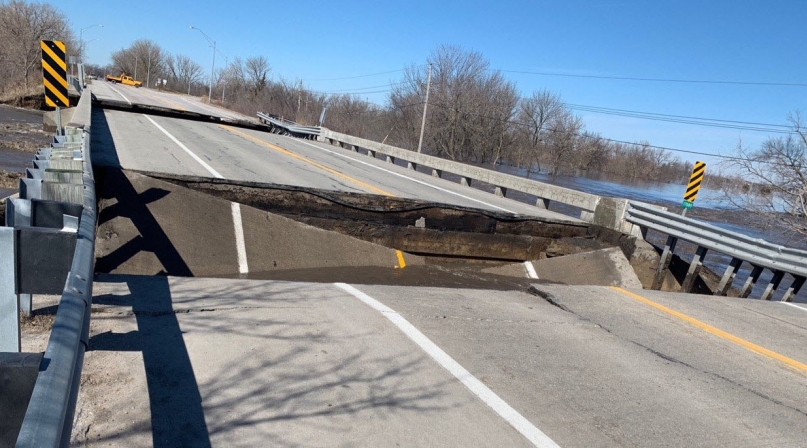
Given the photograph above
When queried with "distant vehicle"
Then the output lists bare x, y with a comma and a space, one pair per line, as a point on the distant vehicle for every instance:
93, 77
123, 79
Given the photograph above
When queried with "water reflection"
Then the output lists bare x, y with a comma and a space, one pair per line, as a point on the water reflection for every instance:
613, 186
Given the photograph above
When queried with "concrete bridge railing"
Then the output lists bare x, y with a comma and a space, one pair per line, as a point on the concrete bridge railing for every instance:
599, 210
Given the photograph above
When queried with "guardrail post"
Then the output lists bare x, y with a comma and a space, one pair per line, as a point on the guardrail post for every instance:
371, 153
411, 166
772, 285
751, 281
664, 262
465, 181
542, 203
355, 148
501, 191
794, 289
728, 277
9, 303
694, 269
390, 159
437, 173
18, 214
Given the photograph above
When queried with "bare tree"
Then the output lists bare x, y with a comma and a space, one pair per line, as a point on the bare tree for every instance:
562, 141
144, 60
775, 178
22, 26
182, 72
257, 68
536, 115
470, 106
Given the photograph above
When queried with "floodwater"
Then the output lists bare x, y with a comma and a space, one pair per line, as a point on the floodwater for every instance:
710, 206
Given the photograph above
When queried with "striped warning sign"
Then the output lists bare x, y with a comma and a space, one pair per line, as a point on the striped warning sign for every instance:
54, 73
695, 181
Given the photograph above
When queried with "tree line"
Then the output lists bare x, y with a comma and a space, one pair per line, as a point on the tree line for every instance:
22, 26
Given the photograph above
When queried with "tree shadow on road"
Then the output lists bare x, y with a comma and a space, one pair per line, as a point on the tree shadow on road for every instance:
268, 367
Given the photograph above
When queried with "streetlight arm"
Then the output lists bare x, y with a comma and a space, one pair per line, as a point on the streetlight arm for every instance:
209, 40
213, 65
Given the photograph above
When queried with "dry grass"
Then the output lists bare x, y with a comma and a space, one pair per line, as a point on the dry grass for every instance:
19, 96
9, 179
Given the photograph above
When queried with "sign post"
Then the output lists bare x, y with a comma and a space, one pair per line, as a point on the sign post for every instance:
54, 76
693, 187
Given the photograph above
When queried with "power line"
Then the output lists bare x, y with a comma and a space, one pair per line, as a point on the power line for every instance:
610, 140
360, 90
673, 80
698, 121
359, 76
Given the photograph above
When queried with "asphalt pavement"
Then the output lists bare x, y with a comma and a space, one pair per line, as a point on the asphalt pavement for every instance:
192, 361
235, 362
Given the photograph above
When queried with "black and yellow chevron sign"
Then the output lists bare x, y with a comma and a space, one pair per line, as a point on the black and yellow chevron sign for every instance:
695, 181
54, 73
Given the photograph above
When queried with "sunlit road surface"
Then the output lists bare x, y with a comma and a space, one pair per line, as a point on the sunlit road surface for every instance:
200, 362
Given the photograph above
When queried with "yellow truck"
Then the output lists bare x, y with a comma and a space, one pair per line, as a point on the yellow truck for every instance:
123, 79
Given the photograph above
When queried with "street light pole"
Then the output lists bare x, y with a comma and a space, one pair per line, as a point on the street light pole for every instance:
81, 38
213, 65
425, 104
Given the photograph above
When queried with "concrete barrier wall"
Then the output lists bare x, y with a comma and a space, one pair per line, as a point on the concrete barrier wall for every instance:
606, 212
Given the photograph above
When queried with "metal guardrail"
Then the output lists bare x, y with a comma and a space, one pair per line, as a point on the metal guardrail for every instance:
759, 253
48, 420
288, 127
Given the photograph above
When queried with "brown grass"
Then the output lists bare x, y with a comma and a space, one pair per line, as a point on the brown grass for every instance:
31, 98
9, 179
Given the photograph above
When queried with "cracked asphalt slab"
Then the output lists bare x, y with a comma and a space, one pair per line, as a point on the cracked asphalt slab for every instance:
191, 361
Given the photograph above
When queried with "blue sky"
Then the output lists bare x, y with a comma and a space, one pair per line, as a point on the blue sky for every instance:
747, 41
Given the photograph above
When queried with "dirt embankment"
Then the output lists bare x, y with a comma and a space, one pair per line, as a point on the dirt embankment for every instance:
21, 135
9, 179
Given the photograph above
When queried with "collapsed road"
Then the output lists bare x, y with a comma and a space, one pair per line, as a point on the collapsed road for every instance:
365, 308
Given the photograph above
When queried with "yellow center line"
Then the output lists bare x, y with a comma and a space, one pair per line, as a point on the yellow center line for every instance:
155, 97
401, 261
307, 160
398, 253
716, 331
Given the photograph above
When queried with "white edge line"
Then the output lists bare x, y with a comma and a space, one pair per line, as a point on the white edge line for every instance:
243, 267
407, 177
516, 420
530, 270
794, 306
121, 95
185, 148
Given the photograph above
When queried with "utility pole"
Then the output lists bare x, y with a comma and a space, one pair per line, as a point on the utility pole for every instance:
135, 73
425, 104
299, 100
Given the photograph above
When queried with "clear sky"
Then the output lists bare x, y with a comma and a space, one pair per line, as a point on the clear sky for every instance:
708, 40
